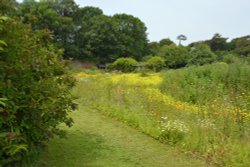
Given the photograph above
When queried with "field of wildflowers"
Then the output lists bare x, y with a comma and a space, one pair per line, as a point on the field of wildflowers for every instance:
202, 111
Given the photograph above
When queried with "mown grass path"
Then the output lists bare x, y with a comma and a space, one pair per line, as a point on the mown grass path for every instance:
99, 141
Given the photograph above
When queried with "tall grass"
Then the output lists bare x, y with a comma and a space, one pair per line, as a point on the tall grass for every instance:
202, 84
203, 111
224, 90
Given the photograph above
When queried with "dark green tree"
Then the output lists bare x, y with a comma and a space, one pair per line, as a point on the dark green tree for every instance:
56, 16
84, 21
132, 36
218, 43
153, 48
102, 39
8, 7
241, 46
166, 41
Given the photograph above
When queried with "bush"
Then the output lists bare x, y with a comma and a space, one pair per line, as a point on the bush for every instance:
175, 56
155, 63
124, 64
230, 58
201, 54
34, 91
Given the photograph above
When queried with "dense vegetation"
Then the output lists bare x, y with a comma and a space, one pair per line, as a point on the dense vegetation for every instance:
34, 90
199, 102
203, 111
87, 34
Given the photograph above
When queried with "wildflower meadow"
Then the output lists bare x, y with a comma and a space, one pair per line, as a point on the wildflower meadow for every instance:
202, 111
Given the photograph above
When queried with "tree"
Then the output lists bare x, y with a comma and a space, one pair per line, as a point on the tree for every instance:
166, 41
8, 7
153, 48
174, 56
241, 46
132, 36
85, 14
102, 39
66, 8
201, 54
56, 16
83, 20
181, 38
218, 43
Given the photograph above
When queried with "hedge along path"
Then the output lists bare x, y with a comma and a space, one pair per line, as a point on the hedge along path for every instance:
96, 140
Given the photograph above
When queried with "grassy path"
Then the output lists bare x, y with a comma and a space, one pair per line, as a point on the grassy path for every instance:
99, 141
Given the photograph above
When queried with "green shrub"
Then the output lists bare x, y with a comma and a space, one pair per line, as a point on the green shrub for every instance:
34, 91
124, 64
174, 56
155, 63
230, 58
201, 54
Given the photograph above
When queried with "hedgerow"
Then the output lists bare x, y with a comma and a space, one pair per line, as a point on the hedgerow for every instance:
34, 90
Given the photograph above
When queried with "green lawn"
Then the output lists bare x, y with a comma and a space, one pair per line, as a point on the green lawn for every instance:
99, 141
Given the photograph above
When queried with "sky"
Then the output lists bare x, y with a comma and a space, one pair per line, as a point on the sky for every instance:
197, 19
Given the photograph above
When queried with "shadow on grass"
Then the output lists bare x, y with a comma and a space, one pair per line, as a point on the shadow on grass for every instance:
77, 149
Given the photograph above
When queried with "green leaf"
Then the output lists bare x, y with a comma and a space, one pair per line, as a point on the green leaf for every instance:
17, 148
4, 18
2, 101
3, 43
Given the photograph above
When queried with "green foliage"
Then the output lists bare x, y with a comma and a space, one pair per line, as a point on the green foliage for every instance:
34, 90
241, 46
214, 128
102, 39
132, 36
124, 64
155, 63
165, 41
2, 44
230, 58
86, 33
8, 7
84, 19
57, 17
201, 54
175, 56
153, 48
200, 85
223, 89
218, 43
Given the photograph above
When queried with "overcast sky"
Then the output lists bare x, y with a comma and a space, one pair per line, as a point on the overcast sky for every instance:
197, 19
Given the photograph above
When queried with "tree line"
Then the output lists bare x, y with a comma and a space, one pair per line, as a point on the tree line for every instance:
87, 34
